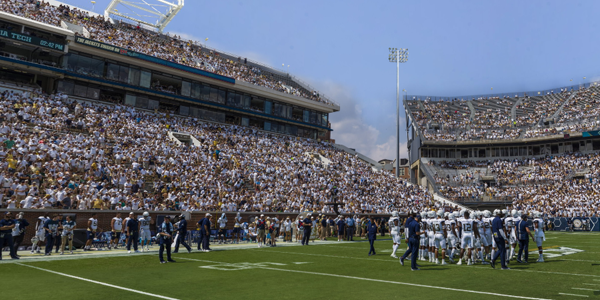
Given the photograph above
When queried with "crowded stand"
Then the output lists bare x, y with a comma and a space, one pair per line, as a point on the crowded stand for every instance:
556, 185
506, 118
174, 49
61, 153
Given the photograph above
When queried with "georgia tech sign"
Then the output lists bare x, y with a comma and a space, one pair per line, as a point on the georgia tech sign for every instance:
31, 40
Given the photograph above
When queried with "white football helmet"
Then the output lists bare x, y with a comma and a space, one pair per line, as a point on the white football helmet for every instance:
496, 212
440, 213
537, 214
146, 214
431, 214
520, 213
487, 213
514, 213
394, 214
505, 212
446, 214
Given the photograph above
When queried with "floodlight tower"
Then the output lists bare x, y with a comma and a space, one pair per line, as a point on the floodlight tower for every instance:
398, 55
153, 13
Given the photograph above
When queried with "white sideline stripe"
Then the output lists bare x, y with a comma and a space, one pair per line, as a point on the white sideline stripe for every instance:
593, 261
402, 283
576, 295
98, 282
377, 280
390, 260
583, 289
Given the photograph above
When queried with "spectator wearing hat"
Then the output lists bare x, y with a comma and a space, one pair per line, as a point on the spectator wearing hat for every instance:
166, 239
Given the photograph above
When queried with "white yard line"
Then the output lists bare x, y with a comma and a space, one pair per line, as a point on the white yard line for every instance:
576, 295
377, 280
98, 282
595, 284
391, 260
583, 289
401, 283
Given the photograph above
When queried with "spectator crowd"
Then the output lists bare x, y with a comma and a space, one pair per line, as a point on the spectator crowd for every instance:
171, 48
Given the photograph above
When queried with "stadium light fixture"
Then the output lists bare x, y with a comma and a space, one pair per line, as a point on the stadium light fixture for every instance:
398, 55
152, 13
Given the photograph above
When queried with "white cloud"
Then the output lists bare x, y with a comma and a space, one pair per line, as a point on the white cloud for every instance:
351, 129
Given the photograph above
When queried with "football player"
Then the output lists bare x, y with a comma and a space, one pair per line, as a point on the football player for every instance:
509, 223
469, 233
40, 234
540, 236
222, 230
116, 226
431, 236
440, 236
91, 232
451, 239
487, 232
394, 225
145, 234
423, 244
237, 229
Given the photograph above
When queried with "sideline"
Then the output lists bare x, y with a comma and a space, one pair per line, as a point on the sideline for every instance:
98, 282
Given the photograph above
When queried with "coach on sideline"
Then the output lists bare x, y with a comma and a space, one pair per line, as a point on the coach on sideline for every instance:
522, 234
181, 233
414, 232
500, 239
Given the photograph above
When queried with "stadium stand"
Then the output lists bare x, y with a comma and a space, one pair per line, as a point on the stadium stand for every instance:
174, 49
105, 156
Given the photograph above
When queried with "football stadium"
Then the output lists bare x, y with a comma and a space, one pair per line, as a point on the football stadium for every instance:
141, 162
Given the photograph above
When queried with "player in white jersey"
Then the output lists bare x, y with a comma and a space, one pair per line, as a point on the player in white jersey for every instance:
91, 232
116, 226
145, 234
451, 228
509, 223
540, 236
394, 225
237, 228
439, 237
67, 234
424, 243
487, 231
431, 236
124, 229
483, 246
40, 234
469, 234
222, 230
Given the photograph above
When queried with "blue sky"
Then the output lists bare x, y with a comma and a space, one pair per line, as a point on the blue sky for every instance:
456, 48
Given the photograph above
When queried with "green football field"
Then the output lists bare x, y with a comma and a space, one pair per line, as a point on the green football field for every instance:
326, 271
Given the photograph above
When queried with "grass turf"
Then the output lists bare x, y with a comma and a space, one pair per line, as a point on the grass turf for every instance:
332, 271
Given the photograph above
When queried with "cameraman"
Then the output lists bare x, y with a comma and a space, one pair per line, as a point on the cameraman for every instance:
166, 239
